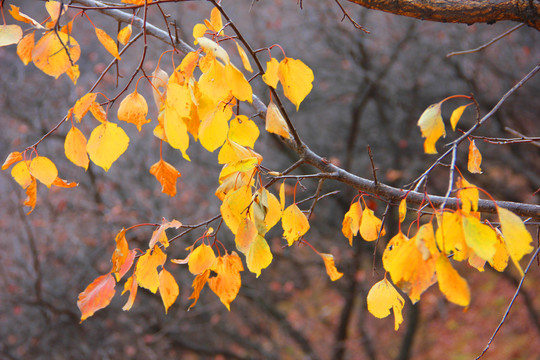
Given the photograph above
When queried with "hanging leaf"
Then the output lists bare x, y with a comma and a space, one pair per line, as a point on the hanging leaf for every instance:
259, 256
19, 16
124, 34
479, 237
227, 282
10, 34
456, 115
133, 109
96, 296
331, 267
296, 78
21, 174
295, 223
83, 105
244, 58
108, 43
270, 77
25, 48
43, 169
75, 148
240, 87
402, 210
168, 289
159, 234
351, 221
146, 270
131, 286
468, 194
31, 195
452, 285
11, 159
201, 259
370, 226
243, 131
55, 53
381, 298
198, 284
167, 175
120, 254
475, 159
516, 237
432, 127
106, 144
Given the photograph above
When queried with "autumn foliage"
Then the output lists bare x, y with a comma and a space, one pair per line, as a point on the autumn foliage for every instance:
207, 99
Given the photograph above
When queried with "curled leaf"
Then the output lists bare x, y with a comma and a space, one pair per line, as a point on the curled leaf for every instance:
432, 127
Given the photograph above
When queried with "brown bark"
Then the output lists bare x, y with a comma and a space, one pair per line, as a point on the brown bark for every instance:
461, 11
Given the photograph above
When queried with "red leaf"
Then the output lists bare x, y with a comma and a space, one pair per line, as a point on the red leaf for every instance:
96, 296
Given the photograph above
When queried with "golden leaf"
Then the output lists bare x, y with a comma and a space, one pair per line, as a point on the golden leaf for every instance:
381, 298
432, 127
75, 148
456, 115
227, 282
83, 105
240, 87
370, 226
106, 144
19, 16
96, 296
449, 235
25, 48
468, 194
331, 267
124, 34
55, 53
11, 159
475, 159
213, 130
243, 131
159, 233
275, 123
166, 174
31, 195
244, 58
451, 284
131, 286
168, 289
121, 253
351, 221
21, 174
516, 237
270, 77
479, 237
295, 223
198, 284
43, 169
107, 42
133, 109
201, 259
402, 210
296, 78
258, 256
146, 270
234, 207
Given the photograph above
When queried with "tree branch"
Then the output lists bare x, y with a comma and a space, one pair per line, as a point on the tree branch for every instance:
461, 11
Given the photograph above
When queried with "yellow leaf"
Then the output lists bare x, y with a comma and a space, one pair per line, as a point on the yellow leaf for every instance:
12, 158
402, 210
468, 194
121, 252
133, 109
198, 32
258, 256
213, 82
75, 148
275, 123
168, 289
296, 78
106, 144
146, 270
73, 73
21, 174
282, 195
55, 9
244, 58
25, 48
479, 237
425, 241
370, 226
216, 21
243, 131
213, 130
381, 298
188, 64
98, 112
295, 223
270, 77
137, 2
477, 262
43, 169
10, 34
240, 87
331, 267
159, 86
235, 206
166, 174
124, 34
449, 235
456, 115
159, 233
176, 131
516, 237
452, 285
131, 286
500, 259
198, 284
475, 159
31, 195
227, 282
107, 42
83, 105
55, 53
432, 127
201, 259
351, 221
273, 210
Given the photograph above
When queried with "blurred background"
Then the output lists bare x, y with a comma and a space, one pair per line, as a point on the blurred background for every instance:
369, 89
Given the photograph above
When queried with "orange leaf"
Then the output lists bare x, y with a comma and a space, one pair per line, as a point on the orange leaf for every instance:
75, 148
31, 196
147, 275
331, 267
136, 2
227, 282
131, 286
432, 127
107, 42
247, 231
166, 174
126, 265
55, 53
475, 159
351, 221
295, 224
23, 17
43, 169
96, 296
73, 73
201, 259
25, 47
133, 109
11, 159
275, 122
168, 289
121, 252
198, 284
64, 184
83, 105
215, 20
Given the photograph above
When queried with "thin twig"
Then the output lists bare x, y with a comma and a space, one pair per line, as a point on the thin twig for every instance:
373, 168
355, 24
480, 48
